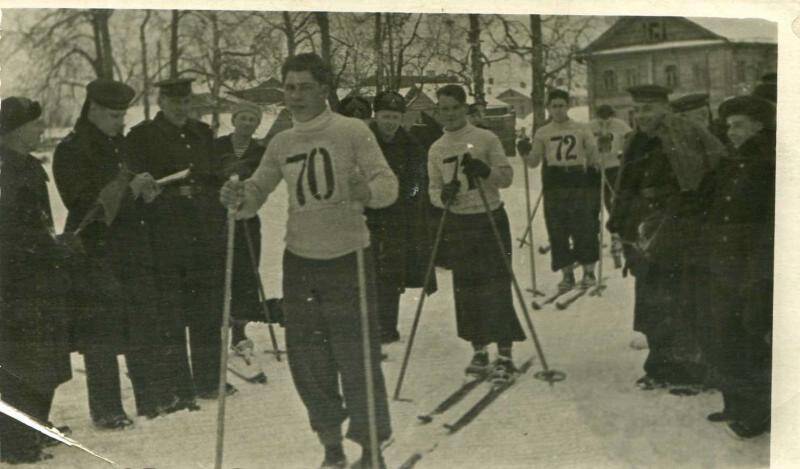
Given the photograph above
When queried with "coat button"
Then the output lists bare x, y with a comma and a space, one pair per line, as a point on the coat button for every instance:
741, 165
727, 198
726, 218
188, 146
724, 239
183, 135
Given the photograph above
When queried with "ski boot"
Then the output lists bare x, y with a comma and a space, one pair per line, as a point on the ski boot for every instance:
242, 363
334, 457
504, 371
479, 364
588, 280
115, 422
567, 283
648, 383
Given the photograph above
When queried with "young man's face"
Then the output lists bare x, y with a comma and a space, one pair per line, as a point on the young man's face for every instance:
650, 115
388, 122
452, 113
558, 109
175, 108
245, 123
305, 97
110, 121
741, 129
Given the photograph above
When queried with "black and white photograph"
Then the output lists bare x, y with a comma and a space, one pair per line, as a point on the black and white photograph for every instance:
371, 235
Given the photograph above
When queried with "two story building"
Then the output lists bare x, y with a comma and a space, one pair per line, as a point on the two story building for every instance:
721, 57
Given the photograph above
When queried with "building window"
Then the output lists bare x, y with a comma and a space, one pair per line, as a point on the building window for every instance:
609, 81
700, 75
491, 81
631, 77
522, 85
655, 31
671, 76
741, 71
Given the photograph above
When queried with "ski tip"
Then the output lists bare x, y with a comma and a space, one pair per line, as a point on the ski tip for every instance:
424, 419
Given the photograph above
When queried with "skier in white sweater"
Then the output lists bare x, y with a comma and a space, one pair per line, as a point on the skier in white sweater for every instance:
481, 284
333, 167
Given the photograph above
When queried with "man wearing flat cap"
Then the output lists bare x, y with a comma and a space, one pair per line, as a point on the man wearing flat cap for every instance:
694, 107
115, 293
738, 235
355, 106
656, 214
187, 231
34, 280
399, 232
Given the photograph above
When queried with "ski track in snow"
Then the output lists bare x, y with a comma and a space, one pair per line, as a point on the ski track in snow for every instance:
596, 418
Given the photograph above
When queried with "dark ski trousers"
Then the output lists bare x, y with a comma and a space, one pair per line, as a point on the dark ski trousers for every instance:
388, 308
571, 215
325, 349
17, 438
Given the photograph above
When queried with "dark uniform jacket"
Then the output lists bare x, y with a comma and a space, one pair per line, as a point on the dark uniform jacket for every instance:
115, 289
657, 203
34, 279
186, 221
245, 297
400, 233
738, 230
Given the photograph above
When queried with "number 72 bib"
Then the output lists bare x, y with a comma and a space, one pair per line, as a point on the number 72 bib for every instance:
564, 150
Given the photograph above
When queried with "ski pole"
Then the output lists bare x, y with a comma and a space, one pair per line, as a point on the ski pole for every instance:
529, 228
226, 318
529, 233
601, 235
262, 298
421, 302
548, 374
367, 350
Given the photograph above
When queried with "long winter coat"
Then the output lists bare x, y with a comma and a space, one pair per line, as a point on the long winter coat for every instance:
115, 292
245, 297
34, 279
400, 233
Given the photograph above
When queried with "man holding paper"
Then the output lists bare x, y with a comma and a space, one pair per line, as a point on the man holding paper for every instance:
187, 232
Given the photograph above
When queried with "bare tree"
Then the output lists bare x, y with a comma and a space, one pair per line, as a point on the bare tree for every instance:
145, 75
476, 58
174, 49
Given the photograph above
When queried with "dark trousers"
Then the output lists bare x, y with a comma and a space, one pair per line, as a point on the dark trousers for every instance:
571, 215
17, 438
205, 340
102, 383
388, 308
325, 347
151, 376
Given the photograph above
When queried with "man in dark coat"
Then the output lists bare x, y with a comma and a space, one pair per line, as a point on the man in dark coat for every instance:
187, 229
399, 232
656, 215
121, 313
739, 241
34, 280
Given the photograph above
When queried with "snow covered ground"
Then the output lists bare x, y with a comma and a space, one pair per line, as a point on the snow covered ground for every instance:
596, 418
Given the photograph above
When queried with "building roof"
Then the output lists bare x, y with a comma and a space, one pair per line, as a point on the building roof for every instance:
695, 32
740, 30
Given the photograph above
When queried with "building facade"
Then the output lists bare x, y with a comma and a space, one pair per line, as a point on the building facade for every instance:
687, 56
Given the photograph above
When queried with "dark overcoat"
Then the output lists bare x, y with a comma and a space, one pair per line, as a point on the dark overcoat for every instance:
186, 222
401, 233
116, 292
34, 279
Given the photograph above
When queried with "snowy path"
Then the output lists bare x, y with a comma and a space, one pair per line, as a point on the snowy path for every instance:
596, 418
